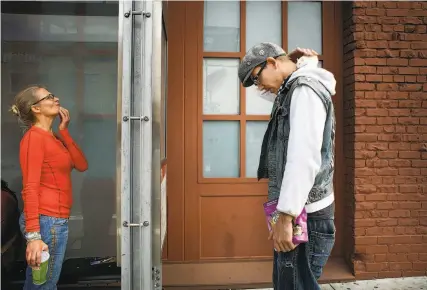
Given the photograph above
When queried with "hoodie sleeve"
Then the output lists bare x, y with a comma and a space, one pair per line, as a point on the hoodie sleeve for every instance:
307, 120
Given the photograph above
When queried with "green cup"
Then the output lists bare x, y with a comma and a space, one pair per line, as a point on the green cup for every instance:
40, 273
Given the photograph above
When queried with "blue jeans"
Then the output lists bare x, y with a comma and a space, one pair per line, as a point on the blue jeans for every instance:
54, 232
301, 268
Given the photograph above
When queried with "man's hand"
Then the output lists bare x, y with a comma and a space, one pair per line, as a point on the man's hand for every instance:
281, 234
299, 52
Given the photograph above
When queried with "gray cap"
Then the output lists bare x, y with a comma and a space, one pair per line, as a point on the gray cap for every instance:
256, 56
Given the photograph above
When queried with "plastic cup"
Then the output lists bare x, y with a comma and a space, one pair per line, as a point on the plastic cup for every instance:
40, 273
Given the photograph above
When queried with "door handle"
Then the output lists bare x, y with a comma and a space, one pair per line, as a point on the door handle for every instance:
128, 225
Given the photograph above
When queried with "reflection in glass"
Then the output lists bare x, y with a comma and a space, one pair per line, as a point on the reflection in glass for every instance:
221, 90
307, 17
254, 134
255, 105
100, 84
221, 27
263, 29
76, 58
221, 149
164, 92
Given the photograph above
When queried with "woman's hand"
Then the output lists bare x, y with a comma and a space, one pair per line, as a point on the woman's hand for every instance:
34, 252
299, 52
64, 116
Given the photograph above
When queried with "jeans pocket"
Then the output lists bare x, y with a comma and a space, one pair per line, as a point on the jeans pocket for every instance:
320, 248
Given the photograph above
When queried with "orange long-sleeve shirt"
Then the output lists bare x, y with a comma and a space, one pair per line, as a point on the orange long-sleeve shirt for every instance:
46, 165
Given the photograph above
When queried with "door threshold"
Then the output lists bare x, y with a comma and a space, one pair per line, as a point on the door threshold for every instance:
239, 274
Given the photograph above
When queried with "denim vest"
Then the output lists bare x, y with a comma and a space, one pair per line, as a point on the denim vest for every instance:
275, 143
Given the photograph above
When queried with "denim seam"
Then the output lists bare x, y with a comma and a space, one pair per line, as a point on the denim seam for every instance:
295, 269
52, 257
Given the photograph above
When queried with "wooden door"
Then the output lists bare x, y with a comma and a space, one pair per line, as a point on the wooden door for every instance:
216, 220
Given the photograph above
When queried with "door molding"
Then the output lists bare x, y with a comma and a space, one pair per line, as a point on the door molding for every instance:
184, 30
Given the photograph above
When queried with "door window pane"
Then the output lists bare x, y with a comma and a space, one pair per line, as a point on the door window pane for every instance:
254, 135
221, 26
305, 25
221, 90
260, 28
255, 105
221, 149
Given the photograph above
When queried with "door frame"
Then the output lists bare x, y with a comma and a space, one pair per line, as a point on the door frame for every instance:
183, 32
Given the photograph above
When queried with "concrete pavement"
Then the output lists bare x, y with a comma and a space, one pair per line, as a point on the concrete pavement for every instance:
411, 283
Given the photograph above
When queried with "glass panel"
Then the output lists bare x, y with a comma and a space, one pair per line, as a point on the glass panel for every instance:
221, 149
75, 56
221, 89
164, 91
320, 64
260, 28
100, 85
305, 25
221, 26
254, 134
255, 105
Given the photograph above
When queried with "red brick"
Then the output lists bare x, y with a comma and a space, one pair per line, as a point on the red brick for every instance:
409, 154
387, 87
418, 45
397, 12
408, 222
390, 274
409, 104
374, 78
385, 118
376, 249
419, 266
397, 61
400, 266
399, 213
405, 188
419, 163
376, 61
409, 70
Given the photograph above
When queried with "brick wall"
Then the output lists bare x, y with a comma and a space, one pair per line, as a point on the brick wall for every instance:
385, 103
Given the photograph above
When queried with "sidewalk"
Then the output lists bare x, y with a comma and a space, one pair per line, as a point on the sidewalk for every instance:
412, 283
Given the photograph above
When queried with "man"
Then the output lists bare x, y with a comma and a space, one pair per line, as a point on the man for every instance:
297, 156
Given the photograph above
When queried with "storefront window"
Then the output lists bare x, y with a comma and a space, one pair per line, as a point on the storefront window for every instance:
70, 47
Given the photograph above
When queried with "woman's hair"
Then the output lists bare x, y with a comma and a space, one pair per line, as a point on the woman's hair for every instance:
24, 100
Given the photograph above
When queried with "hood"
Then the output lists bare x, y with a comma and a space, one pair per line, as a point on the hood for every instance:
308, 68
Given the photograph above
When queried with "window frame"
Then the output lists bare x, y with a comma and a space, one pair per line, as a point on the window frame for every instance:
242, 117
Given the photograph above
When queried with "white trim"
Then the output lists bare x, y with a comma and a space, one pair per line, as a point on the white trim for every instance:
321, 204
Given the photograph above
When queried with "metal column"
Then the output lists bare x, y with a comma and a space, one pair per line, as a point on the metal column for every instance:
139, 114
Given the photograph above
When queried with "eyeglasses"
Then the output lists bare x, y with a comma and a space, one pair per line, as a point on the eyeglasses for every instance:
48, 97
255, 79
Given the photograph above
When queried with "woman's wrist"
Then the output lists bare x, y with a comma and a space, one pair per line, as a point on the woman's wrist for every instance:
32, 236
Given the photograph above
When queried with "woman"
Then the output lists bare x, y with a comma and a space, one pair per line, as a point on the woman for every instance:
46, 163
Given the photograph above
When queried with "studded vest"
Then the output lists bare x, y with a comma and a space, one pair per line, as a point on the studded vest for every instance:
275, 143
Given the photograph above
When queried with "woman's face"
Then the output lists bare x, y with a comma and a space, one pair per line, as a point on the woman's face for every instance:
47, 104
